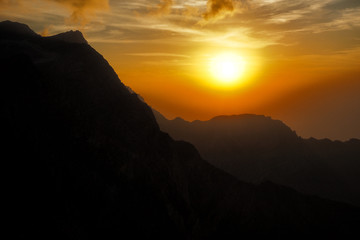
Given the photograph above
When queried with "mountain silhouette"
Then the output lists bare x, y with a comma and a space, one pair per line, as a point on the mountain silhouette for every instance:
256, 148
85, 159
10, 29
70, 36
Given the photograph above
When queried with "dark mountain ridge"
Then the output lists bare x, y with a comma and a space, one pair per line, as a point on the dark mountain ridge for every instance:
70, 36
256, 148
10, 29
85, 159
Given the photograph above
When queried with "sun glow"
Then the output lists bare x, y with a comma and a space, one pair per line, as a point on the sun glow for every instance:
227, 68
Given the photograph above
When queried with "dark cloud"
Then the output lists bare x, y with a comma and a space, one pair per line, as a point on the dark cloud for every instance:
219, 8
343, 4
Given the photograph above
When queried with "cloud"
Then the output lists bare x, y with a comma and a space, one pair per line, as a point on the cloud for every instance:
339, 5
3, 2
220, 8
82, 10
164, 7
6, 3
46, 31
215, 8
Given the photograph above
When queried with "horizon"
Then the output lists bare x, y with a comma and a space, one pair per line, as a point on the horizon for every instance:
298, 61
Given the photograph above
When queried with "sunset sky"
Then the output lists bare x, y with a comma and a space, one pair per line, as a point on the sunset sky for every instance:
299, 60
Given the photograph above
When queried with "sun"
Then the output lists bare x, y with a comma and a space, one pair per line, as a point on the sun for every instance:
227, 68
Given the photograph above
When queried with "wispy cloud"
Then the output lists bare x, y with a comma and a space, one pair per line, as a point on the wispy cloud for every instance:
164, 7
227, 23
82, 10
214, 9
7, 3
158, 54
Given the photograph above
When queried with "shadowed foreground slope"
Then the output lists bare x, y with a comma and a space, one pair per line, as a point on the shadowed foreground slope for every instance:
87, 161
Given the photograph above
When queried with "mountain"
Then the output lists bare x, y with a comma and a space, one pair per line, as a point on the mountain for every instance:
70, 36
85, 159
256, 148
10, 30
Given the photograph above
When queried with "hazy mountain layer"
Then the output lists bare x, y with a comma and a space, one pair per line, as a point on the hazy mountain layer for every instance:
85, 159
257, 148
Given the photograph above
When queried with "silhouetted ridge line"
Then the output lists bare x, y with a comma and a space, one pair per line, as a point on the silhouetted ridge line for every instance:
10, 29
256, 148
14, 30
71, 37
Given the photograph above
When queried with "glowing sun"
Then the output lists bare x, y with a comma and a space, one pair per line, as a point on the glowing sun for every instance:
227, 68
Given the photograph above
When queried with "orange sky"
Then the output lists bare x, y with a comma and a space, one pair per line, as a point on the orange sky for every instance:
302, 57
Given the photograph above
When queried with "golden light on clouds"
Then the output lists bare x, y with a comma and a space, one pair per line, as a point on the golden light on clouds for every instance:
83, 10
164, 7
216, 8
175, 53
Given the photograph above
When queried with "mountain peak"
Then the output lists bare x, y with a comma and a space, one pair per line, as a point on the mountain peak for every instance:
240, 116
70, 37
178, 119
15, 29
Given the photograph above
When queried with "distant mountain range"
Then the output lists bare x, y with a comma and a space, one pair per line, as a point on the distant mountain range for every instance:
256, 148
84, 158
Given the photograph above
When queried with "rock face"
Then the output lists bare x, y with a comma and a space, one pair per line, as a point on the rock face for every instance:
256, 148
85, 159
